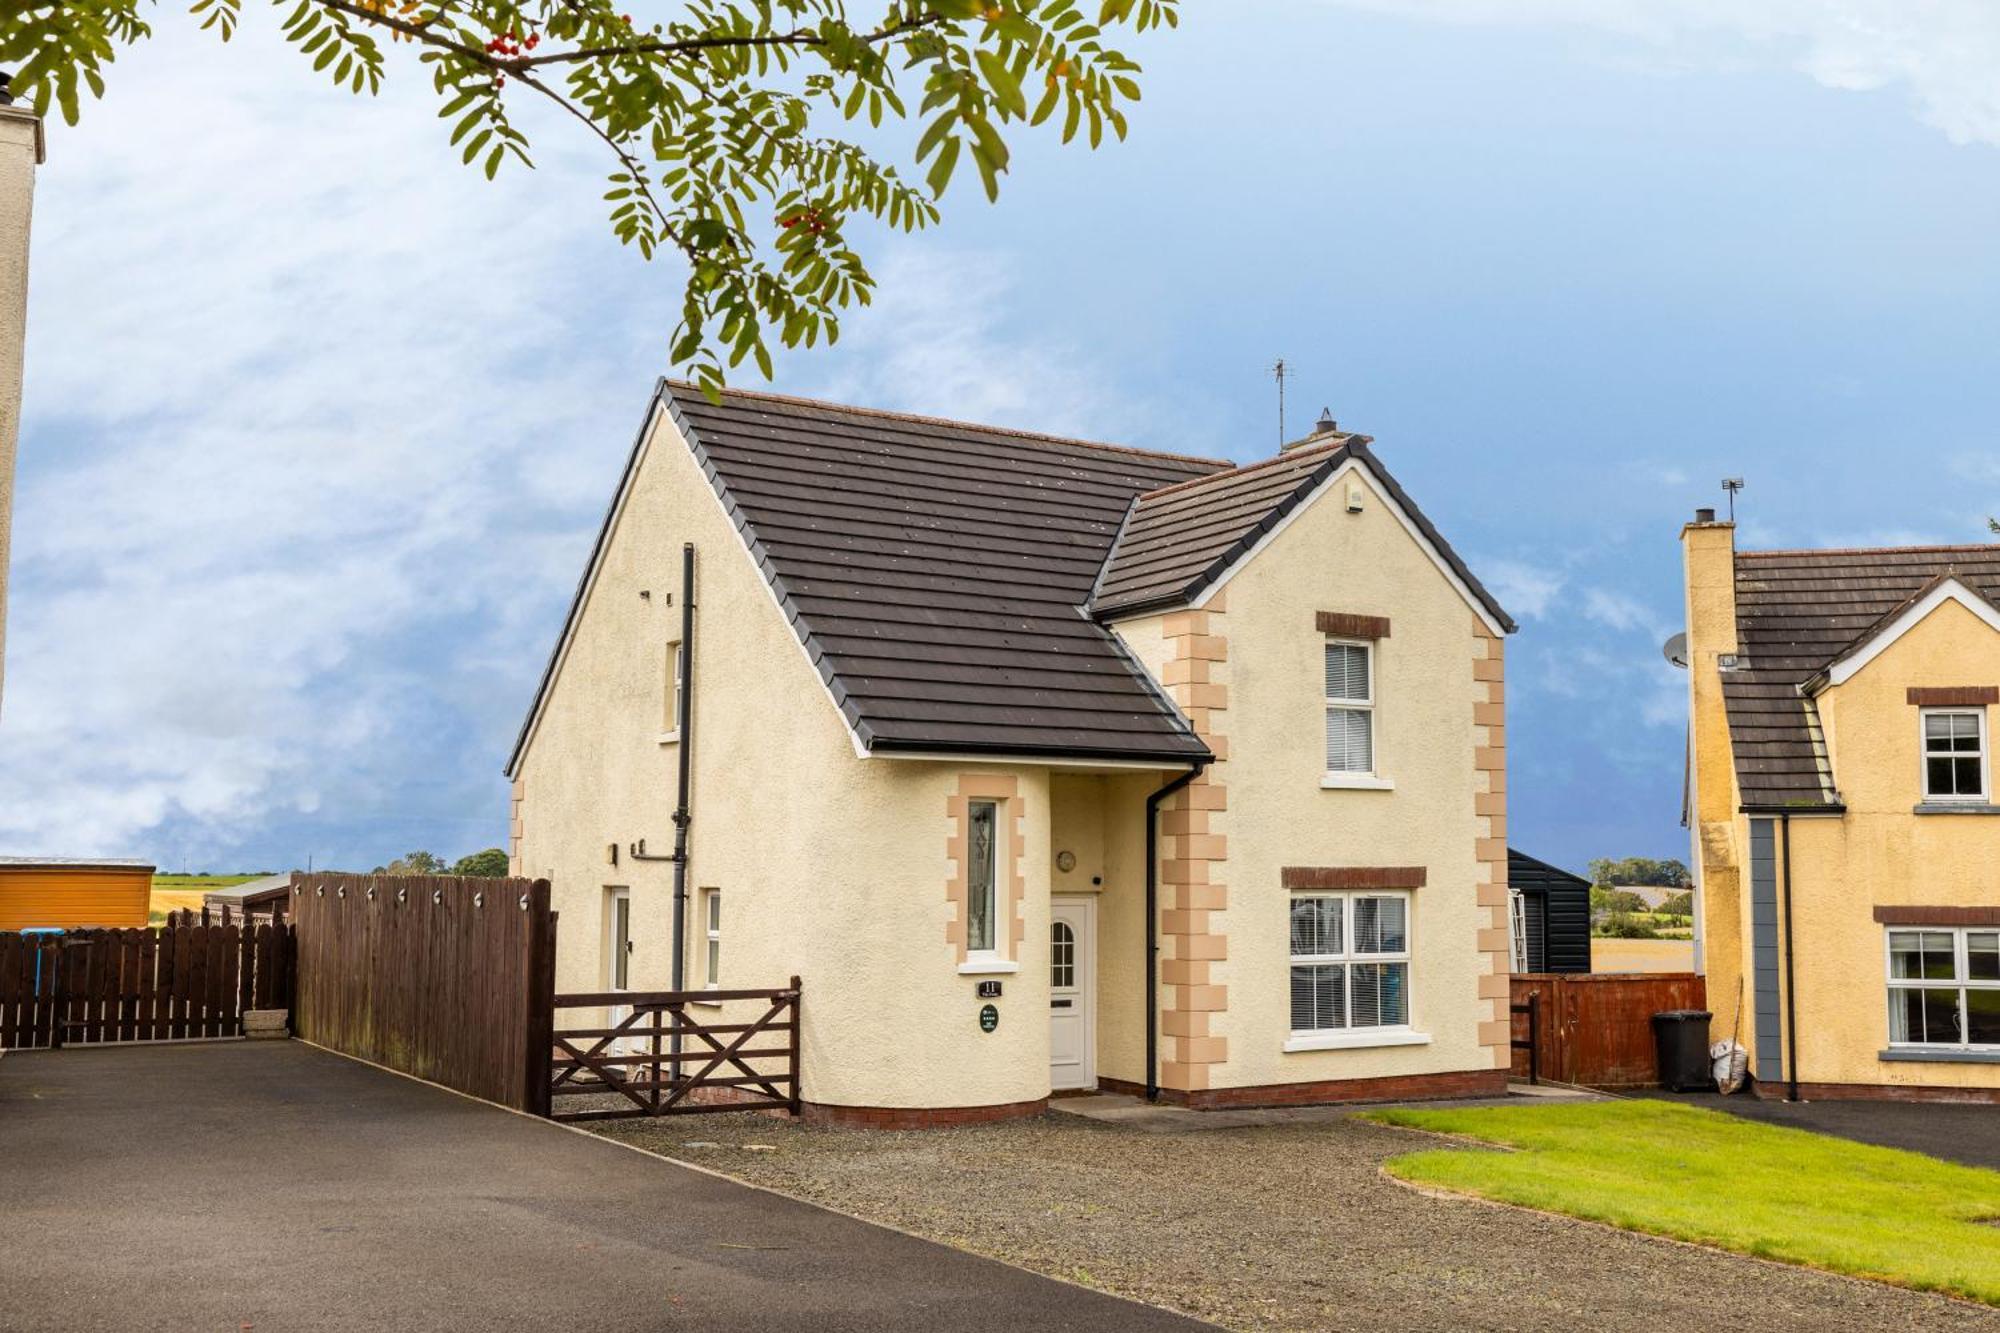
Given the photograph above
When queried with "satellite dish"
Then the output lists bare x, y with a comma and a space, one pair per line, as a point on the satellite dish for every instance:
1675, 650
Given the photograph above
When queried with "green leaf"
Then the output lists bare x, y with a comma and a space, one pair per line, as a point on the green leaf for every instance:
939, 175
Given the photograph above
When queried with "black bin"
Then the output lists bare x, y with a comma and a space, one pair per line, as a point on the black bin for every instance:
1680, 1037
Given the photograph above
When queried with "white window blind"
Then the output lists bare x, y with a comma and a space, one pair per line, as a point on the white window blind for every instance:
1350, 961
1350, 708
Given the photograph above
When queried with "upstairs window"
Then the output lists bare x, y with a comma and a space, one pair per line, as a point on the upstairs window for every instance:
1350, 707
1954, 754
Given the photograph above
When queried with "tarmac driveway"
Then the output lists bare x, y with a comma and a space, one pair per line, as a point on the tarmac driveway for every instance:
271, 1186
1957, 1132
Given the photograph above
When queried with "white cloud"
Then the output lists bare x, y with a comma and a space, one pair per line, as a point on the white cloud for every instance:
303, 419
1621, 612
1941, 54
1527, 591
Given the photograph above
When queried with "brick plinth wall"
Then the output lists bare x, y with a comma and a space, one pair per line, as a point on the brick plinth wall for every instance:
1193, 854
1776, 1089
1400, 1088
919, 1117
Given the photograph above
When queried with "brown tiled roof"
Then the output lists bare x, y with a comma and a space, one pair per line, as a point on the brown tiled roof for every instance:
1797, 612
934, 571
1179, 540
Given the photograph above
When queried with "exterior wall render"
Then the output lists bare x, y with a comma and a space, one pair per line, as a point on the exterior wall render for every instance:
830, 866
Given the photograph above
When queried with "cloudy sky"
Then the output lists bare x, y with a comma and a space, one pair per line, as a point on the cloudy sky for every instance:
318, 422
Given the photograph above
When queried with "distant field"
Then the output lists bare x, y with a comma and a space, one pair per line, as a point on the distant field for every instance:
171, 893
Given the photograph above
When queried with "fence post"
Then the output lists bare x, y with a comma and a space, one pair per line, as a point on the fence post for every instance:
797, 997
540, 1000
1534, 1037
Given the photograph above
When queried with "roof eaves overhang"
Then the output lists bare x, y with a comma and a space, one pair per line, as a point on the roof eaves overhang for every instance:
1054, 755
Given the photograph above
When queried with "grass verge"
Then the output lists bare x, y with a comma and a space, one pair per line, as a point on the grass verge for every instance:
1714, 1179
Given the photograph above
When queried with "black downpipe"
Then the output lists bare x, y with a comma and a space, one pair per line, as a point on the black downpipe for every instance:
1153, 924
1791, 996
683, 815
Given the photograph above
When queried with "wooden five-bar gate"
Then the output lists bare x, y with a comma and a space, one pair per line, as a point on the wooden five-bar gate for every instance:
654, 1058
186, 980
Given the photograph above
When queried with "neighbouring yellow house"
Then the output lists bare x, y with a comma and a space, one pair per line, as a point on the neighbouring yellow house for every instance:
1842, 806
51, 893
1048, 765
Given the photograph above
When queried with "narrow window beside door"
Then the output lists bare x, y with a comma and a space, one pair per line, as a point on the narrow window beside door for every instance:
981, 874
618, 938
712, 916
670, 721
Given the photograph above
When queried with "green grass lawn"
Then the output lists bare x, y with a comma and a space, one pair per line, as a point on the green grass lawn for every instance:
1709, 1177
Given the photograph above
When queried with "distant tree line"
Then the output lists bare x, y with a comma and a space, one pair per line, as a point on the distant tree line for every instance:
489, 864
1642, 870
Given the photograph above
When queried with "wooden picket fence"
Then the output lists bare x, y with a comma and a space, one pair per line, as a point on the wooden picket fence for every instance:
185, 980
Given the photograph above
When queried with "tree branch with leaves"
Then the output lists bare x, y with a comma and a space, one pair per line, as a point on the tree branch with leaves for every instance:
716, 122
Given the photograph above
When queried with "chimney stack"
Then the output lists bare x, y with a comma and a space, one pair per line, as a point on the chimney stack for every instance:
21, 151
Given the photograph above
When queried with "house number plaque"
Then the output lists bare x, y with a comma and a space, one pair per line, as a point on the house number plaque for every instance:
989, 990
989, 1017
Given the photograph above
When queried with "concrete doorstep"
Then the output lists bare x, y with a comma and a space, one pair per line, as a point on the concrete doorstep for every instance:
1159, 1118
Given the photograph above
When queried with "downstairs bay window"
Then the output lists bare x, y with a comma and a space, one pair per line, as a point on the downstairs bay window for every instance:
1350, 971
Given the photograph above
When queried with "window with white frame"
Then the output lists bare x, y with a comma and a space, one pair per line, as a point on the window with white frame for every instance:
712, 923
1350, 961
1944, 987
1954, 754
670, 724
981, 874
1350, 706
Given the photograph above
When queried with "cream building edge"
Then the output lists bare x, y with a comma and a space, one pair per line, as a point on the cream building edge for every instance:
843, 868
21, 150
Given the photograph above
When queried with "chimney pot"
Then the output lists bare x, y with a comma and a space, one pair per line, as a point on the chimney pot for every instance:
1704, 516
1327, 425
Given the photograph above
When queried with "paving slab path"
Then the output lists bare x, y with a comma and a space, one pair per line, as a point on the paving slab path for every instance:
269, 1186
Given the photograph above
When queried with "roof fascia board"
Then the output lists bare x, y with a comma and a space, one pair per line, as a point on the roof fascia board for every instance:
1070, 760
1382, 493
1844, 669
584, 585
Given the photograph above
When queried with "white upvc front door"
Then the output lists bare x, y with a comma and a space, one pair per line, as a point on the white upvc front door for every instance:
1072, 994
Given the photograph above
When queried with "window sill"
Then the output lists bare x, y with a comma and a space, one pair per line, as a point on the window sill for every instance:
1943, 1055
987, 967
668, 737
708, 1004
1356, 782
1355, 1040
1956, 808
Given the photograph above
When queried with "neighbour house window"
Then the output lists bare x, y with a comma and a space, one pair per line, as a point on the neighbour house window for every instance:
981, 874
1944, 987
1350, 707
712, 919
1350, 961
1955, 755
670, 723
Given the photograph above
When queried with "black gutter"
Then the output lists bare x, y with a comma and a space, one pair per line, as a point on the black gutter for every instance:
1791, 994
1153, 924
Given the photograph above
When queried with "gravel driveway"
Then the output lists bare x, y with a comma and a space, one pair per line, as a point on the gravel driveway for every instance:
1283, 1227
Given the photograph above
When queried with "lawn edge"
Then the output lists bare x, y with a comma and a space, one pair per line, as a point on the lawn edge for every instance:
1465, 1196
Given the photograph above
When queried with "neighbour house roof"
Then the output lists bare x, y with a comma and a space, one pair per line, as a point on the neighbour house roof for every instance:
73, 863
1181, 541
940, 575
1798, 615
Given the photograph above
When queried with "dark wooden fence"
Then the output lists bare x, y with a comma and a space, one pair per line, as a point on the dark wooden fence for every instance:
444, 977
661, 1060
1597, 1030
186, 980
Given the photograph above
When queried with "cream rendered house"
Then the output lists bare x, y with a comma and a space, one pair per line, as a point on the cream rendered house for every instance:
1047, 765
20, 153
